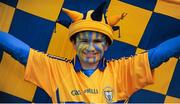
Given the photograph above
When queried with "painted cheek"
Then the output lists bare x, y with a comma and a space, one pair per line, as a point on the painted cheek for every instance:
99, 47
81, 47
100, 50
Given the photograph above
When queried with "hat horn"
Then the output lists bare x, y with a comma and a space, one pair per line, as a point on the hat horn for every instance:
115, 19
74, 15
97, 14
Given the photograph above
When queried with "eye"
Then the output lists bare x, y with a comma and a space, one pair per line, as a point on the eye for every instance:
84, 40
98, 41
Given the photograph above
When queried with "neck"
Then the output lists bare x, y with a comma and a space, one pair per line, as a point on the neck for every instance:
86, 66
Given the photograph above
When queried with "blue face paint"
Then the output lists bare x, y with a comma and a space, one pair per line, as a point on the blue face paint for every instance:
90, 46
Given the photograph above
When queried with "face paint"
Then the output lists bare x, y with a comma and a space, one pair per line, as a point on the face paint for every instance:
90, 46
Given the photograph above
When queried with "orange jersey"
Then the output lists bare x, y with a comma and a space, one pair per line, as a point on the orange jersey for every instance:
64, 83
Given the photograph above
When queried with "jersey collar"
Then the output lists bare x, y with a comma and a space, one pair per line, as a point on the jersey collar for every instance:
77, 65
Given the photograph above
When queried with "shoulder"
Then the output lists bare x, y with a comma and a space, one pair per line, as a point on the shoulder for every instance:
42, 55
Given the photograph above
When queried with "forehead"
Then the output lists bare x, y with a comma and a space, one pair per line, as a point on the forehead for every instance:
90, 35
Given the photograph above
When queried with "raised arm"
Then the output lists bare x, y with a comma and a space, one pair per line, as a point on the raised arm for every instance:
166, 50
16, 48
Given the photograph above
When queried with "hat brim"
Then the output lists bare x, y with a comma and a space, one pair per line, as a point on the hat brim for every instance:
89, 25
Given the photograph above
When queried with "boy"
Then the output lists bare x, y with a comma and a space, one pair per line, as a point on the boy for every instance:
89, 77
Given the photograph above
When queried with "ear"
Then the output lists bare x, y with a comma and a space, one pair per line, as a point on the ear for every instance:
74, 44
106, 47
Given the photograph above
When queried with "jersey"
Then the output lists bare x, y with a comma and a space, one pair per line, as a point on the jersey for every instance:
118, 81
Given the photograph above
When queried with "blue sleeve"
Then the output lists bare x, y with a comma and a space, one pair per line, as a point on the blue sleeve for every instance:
16, 48
162, 53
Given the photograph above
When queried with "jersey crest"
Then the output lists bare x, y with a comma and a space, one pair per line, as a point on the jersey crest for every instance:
108, 94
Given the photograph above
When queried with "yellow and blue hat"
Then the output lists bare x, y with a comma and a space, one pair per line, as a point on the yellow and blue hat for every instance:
93, 20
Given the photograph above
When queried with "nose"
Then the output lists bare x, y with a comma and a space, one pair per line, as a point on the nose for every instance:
91, 47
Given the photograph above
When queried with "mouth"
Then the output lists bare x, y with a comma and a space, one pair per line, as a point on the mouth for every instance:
90, 54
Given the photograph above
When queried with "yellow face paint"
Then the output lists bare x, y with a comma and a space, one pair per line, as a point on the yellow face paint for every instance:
90, 46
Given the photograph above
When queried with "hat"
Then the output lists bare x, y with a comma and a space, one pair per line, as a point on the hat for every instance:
93, 20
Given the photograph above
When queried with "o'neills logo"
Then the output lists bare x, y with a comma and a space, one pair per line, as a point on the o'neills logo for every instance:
108, 94
86, 91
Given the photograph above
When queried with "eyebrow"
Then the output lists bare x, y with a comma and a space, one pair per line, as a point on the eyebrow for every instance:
84, 37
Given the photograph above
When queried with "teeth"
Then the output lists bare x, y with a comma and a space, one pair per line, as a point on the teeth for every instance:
90, 54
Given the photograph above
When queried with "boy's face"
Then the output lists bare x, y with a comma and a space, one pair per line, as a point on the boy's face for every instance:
90, 46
